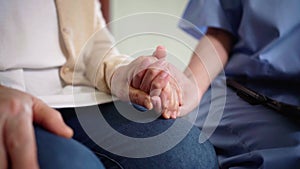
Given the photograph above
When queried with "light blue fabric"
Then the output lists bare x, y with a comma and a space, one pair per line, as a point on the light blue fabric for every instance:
249, 137
267, 54
267, 33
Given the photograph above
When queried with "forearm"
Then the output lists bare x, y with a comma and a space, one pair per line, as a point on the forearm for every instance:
209, 58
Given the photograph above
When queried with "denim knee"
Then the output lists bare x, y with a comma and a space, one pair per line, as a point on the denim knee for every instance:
191, 154
188, 154
60, 153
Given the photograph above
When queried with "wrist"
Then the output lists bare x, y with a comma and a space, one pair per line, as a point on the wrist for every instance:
114, 81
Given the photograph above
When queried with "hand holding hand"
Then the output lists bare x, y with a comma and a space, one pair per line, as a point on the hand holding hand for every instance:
165, 93
146, 80
174, 96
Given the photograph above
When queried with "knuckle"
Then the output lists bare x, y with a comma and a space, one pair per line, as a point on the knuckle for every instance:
151, 72
146, 60
138, 60
16, 105
145, 88
140, 74
156, 85
13, 144
141, 58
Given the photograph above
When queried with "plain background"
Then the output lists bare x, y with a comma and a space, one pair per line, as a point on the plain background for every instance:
138, 26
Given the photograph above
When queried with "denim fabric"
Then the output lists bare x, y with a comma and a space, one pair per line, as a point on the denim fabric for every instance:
250, 136
188, 154
55, 152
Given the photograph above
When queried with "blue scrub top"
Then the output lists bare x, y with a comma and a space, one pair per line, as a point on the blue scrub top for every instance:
267, 34
267, 44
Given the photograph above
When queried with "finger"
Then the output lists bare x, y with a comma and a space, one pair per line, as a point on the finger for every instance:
140, 70
178, 112
166, 114
148, 78
156, 70
3, 156
50, 119
164, 104
20, 141
175, 98
158, 83
156, 102
141, 64
155, 92
137, 79
179, 93
139, 97
170, 101
160, 52
172, 106
180, 99
173, 115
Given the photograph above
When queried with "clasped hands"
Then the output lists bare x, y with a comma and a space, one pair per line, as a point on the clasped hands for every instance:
152, 82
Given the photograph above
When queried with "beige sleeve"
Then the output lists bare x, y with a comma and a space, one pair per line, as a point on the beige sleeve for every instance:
101, 58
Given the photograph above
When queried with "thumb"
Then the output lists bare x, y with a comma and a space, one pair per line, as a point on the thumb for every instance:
50, 119
160, 52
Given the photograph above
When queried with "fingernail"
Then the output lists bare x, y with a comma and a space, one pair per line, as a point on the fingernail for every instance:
160, 47
169, 114
70, 131
174, 115
166, 116
148, 104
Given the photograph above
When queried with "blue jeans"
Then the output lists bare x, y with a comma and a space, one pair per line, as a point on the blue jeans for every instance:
61, 153
250, 136
188, 153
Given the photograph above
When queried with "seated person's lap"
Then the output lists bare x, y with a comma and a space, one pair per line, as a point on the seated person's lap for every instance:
251, 136
185, 152
61, 153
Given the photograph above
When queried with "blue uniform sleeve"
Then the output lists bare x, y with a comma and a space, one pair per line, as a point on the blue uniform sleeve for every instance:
201, 14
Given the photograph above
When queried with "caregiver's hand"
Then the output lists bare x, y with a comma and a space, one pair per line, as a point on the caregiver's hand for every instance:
190, 95
18, 111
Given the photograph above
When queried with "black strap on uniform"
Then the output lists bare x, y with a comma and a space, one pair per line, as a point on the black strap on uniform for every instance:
254, 98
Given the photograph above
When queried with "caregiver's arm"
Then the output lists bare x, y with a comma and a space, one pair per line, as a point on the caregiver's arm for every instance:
208, 59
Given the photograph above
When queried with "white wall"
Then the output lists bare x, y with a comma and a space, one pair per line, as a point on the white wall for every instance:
140, 25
